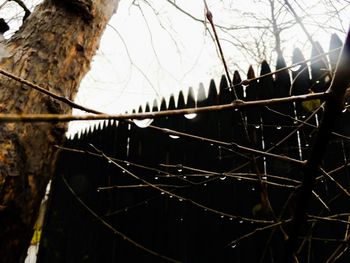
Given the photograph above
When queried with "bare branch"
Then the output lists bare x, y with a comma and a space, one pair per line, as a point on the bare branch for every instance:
237, 104
114, 230
333, 108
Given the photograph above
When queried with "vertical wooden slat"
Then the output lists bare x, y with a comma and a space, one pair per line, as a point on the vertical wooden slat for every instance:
301, 84
319, 69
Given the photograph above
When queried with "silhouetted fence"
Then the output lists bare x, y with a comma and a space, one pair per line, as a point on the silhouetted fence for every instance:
188, 198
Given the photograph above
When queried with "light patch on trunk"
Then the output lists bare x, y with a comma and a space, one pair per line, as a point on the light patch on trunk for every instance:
4, 53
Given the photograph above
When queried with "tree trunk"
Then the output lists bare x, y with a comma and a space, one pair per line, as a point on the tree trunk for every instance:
53, 49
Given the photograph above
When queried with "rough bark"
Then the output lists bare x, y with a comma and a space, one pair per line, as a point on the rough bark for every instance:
53, 48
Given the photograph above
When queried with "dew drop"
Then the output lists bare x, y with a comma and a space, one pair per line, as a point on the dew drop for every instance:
231, 219
239, 179
181, 219
296, 68
190, 116
162, 193
233, 245
127, 164
207, 176
344, 110
170, 196
156, 178
222, 216
222, 177
253, 188
278, 127
204, 184
264, 177
257, 126
126, 210
109, 161
174, 136
240, 221
180, 199
144, 123
98, 190
123, 172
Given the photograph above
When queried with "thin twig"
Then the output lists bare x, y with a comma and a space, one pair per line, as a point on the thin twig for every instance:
182, 198
333, 108
327, 175
209, 16
237, 104
46, 92
115, 231
259, 229
83, 108
315, 58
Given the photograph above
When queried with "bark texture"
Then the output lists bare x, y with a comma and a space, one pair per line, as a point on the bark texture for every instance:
54, 49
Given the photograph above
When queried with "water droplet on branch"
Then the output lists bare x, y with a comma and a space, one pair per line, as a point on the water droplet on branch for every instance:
179, 168
143, 123
295, 68
190, 116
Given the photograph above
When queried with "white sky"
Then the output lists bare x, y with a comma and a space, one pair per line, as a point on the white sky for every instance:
174, 58
172, 51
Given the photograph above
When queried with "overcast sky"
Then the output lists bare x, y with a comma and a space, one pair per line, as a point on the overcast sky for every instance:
146, 55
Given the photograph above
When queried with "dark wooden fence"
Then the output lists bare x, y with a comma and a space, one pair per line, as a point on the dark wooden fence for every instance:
189, 198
